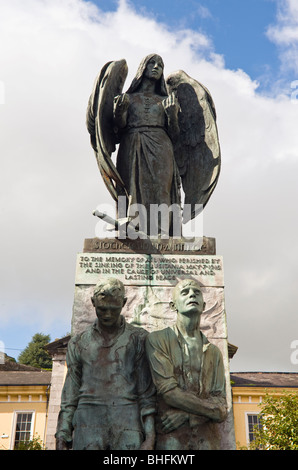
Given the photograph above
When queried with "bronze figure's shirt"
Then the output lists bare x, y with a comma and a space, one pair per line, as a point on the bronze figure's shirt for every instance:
169, 360
115, 374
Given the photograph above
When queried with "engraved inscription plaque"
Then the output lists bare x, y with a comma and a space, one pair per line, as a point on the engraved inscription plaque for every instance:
149, 270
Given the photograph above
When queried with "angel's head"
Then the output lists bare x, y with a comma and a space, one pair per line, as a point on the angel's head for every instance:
152, 66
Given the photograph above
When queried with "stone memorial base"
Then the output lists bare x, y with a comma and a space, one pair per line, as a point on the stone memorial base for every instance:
149, 270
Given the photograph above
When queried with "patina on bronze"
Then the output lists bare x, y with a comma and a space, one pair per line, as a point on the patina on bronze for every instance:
108, 399
167, 134
189, 376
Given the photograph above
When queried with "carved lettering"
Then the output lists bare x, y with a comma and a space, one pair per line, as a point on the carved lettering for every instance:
149, 269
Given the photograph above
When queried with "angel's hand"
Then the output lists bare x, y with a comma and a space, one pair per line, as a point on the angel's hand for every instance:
171, 106
121, 102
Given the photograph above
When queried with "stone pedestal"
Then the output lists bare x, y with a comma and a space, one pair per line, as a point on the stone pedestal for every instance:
149, 270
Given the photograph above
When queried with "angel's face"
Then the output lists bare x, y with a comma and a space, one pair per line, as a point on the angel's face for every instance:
154, 69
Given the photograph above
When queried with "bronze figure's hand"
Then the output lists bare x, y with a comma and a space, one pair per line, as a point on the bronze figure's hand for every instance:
62, 445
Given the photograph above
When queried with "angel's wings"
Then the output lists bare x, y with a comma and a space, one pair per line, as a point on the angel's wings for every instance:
197, 150
99, 119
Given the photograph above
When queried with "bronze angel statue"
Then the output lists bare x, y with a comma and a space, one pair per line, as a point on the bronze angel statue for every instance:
166, 131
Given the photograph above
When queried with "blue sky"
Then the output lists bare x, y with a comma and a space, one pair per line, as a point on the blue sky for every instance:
246, 53
236, 28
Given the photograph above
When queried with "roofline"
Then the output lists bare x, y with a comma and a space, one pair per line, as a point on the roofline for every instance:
251, 380
265, 387
25, 385
262, 372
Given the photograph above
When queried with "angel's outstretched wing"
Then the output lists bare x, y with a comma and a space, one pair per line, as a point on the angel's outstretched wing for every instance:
197, 150
99, 120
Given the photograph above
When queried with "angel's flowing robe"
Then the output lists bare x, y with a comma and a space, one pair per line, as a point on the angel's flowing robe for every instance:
145, 157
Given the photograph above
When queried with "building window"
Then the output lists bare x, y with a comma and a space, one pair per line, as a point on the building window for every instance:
253, 422
23, 428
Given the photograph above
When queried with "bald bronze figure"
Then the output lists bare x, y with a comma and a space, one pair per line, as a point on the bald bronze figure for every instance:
189, 376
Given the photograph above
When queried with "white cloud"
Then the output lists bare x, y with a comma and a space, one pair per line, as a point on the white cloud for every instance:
285, 33
204, 12
51, 53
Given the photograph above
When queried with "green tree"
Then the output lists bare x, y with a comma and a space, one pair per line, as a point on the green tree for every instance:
35, 353
34, 444
279, 423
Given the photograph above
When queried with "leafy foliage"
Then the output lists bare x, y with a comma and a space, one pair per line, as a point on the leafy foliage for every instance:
35, 354
34, 444
279, 423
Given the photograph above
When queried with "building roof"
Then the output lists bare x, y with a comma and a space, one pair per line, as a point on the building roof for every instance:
10, 364
265, 379
13, 373
58, 344
21, 377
